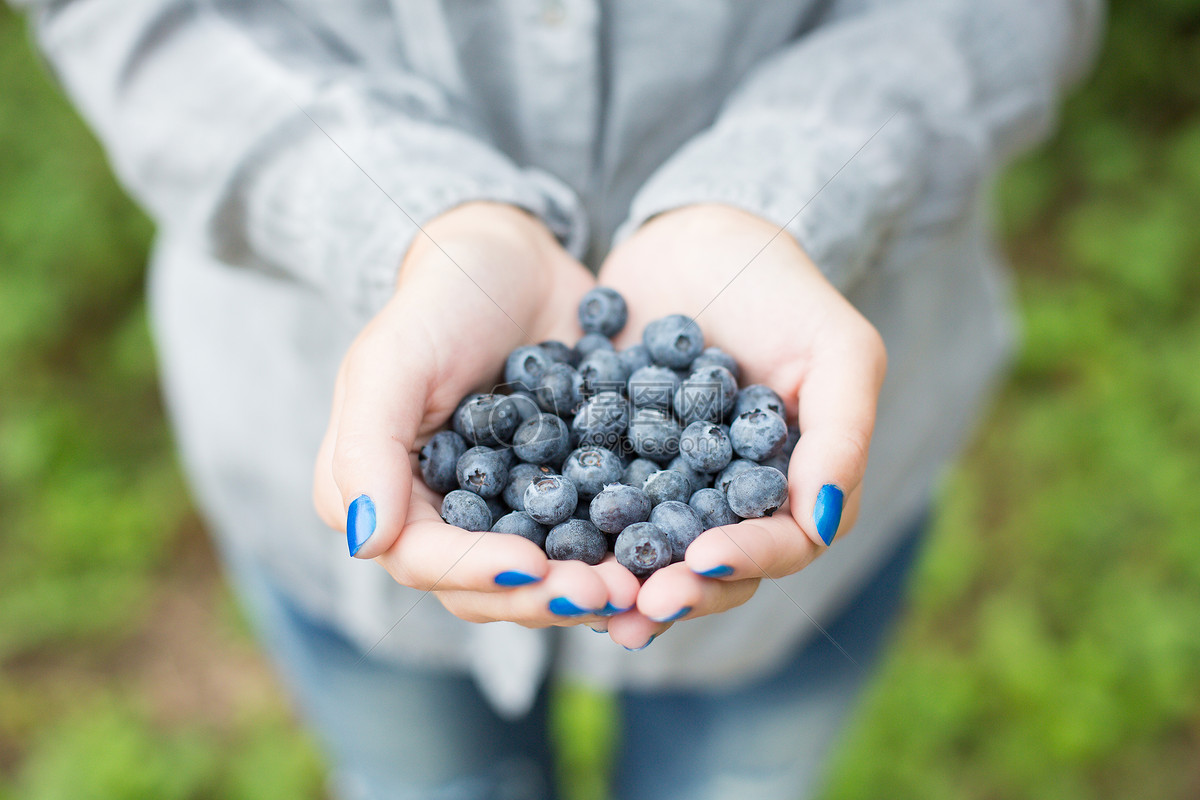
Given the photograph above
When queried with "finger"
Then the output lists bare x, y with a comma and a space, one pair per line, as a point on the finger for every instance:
429, 555
327, 498
570, 594
755, 548
385, 388
622, 586
837, 400
676, 593
634, 631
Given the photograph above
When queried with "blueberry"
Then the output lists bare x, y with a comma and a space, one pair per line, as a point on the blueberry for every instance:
560, 390
654, 434
667, 484
507, 457
758, 434
758, 396
466, 510
544, 439
716, 357
466, 399
757, 492
712, 508
603, 311
784, 458
456, 423
779, 462
438, 460
482, 470
637, 471
696, 480
673, 341
705, 447
707, 395
602, 371
487, 419
525, 365
653, 387
551, 499
522, 524
680, 523
618, 506
520, 476
601, 421
590, 343
496, 507
578, 540
642, 548
735, 468
634, 358
591, 469
526, 404
559, 353
793, 439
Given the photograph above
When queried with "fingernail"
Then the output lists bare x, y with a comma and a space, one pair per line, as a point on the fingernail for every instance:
610, 610
513, 578
565, 608
643, 647
360, 523
596, 630
828, 512
680, 613
719, 571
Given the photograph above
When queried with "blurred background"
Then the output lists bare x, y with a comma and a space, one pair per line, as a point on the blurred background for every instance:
1052, 649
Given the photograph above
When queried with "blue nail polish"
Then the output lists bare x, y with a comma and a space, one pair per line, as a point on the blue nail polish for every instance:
643, 647
828, 512
565, 608
683, 612
719, 571
513, 578
595, 630
610, 610
360, 523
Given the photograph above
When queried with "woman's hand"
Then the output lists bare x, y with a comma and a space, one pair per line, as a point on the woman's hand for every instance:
788, 328
449, 324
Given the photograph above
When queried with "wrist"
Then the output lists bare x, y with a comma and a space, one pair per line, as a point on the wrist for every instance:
710, 219
480, 233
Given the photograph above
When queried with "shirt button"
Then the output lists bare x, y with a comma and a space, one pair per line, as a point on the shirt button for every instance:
553, 12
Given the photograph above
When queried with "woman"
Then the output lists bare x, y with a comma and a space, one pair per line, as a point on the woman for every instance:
378, 200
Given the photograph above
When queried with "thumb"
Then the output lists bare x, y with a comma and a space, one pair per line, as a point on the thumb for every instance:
383, 393
838, 401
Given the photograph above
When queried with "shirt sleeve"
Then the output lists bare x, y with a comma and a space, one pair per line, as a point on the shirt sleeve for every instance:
884, 117
239, 126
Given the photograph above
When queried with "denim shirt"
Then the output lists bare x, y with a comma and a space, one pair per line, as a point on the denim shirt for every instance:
869, 129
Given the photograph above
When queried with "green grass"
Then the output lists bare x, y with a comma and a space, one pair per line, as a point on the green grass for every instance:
1053, 645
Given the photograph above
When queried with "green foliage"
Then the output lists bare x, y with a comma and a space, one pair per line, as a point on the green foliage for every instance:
1052, 649
109, 750
91, 501
110, 753
583, 724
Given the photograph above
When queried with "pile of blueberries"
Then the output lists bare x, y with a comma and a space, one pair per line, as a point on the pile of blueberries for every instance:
586, 449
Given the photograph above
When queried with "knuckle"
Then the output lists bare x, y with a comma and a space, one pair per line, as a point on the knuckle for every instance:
853, 447
881, 356
349, 452
739, 595
403, 573
864, 338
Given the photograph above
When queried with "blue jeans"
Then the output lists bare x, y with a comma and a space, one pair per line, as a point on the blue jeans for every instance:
394, 732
